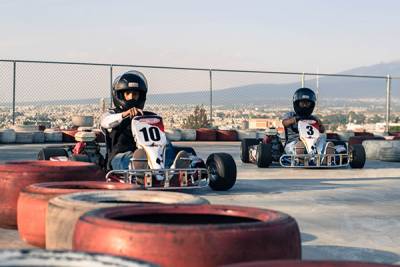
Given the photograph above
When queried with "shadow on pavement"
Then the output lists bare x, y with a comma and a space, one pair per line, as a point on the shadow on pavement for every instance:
348, 253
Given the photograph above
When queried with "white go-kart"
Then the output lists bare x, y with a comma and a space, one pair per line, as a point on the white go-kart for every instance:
318, 153
187, 169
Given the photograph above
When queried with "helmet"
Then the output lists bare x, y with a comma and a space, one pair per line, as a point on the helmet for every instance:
304, 94
129, 81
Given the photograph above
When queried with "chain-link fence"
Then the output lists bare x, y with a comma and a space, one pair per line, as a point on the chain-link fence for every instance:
36, 92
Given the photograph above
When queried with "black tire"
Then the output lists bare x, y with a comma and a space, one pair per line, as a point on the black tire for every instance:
222, 170
357, 159
188, 149
47, 152
389, 154
264, 155
244, 148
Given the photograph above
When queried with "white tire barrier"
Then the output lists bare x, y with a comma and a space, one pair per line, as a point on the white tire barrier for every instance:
173, 134
243, 134
390, 154
52, 136
373, 147
35, 257
26, 128
82, 121
38, 137
7, 136
24, 137
188, 134
64, 211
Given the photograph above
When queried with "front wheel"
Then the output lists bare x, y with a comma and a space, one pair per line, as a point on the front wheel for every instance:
222, 169
357, 156
244, 148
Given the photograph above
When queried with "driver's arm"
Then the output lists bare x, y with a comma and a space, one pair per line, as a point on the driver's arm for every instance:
289, 121
111, 120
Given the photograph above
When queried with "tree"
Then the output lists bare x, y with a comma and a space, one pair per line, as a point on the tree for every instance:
197, 120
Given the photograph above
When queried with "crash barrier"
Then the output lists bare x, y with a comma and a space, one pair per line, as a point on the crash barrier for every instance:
359, 139
199, 235
35, 257
7, 136
188, 135
227, 135
33, 200
206, 134
319, 263
173, 134
82, 121
243, 134
64, 211
374, 147
15, 175
52, 136
390, 154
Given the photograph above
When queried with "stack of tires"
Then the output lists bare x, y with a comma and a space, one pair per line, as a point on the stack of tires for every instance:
16, 175
206, 134
7, 136
227, 135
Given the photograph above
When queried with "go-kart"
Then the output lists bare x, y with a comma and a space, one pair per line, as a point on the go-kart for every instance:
263, 152
218, 172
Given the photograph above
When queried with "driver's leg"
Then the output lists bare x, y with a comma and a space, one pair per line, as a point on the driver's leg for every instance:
121, 161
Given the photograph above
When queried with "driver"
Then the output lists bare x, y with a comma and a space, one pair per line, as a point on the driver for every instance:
303, 103
129, 96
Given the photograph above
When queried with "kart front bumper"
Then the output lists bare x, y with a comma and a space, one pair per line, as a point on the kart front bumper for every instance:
162, 178
314, 161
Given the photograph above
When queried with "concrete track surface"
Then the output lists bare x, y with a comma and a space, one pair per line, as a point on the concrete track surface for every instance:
343, 214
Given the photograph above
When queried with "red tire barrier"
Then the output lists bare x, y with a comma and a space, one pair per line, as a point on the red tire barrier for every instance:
175, 235
227, 135
33, 200
289, 263
332, 136
359, 139
15, 175
205, 134
363, 134
69, 136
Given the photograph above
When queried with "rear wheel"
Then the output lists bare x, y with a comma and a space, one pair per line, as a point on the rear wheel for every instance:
357, 156
244, 148
264, 155
222, 169
48, 152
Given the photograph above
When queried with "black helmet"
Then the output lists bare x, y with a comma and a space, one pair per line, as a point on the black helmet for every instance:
304, 94
129, 81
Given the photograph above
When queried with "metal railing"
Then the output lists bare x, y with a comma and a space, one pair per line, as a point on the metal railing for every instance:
210, 71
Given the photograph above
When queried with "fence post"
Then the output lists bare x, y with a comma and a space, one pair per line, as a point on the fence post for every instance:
111, 85
211, 98
388, 91
303, 76
13, 101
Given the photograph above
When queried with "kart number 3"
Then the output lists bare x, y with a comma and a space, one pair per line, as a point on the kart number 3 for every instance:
310, 130
151, 134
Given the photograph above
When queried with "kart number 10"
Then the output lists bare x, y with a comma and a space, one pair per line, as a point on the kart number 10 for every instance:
151, 134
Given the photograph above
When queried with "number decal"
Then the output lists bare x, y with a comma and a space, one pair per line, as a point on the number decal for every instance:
310, 130
153, 134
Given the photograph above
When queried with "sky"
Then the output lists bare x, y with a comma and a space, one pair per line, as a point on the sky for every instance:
271, 35
285, 35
